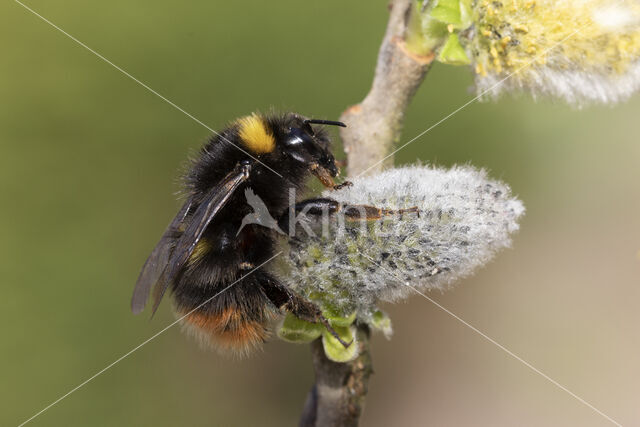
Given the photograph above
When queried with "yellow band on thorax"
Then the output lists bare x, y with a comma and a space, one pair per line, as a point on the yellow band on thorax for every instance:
255, 134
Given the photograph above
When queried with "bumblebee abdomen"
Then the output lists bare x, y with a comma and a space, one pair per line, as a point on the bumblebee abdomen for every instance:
228, 331
232, 317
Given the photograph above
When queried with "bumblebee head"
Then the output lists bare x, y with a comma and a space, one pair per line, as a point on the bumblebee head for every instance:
290, 140
303, 144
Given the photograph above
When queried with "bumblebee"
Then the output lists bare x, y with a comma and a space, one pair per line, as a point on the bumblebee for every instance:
212, 261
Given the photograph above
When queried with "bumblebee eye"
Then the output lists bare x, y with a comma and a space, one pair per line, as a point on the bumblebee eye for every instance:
297, 137
300, 145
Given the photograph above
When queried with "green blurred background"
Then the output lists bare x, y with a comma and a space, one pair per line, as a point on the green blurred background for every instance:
88, 174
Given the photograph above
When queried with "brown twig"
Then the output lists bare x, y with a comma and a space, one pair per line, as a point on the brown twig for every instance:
374, 125
337, 397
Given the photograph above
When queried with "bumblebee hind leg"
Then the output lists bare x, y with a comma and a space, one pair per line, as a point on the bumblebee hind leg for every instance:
289, 301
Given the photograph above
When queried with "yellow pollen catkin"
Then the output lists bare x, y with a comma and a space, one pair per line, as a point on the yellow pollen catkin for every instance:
544, 43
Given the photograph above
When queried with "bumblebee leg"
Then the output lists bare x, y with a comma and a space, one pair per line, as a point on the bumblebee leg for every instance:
356, 212
289, 301
325, 177
343, 185
314, 207
319, 206
322, 174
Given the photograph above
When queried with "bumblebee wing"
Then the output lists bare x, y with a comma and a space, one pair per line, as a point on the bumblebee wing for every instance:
155, 265
214, 200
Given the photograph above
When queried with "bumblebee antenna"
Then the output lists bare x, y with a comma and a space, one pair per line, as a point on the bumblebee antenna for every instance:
324, 122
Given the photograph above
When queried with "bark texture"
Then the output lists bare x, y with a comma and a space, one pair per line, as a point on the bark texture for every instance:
337, 397
373, 127
375, 124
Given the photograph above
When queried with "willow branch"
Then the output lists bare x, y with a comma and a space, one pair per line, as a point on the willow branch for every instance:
337, 397
374, 126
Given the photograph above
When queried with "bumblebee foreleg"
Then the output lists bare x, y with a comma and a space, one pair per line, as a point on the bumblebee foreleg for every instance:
326, 206
343, 185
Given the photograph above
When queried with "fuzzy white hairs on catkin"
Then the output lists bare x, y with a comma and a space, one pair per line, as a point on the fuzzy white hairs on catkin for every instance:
581, 51
464, 219
574, 86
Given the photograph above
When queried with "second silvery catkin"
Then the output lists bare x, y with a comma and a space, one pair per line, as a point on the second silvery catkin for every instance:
581, 51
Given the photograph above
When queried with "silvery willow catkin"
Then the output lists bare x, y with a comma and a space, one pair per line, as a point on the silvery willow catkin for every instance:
464, 219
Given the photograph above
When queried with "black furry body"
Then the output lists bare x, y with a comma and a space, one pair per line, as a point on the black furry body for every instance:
222, 289
255, 244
